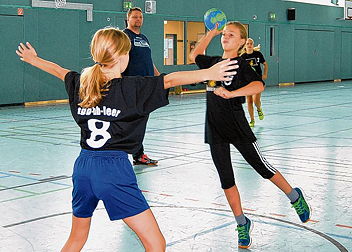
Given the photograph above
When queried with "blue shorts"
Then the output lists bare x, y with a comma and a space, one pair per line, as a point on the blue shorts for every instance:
106, 176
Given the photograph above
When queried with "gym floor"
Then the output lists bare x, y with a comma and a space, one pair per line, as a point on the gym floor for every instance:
306, 134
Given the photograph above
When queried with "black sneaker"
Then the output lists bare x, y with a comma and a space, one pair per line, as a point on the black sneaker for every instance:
145, 160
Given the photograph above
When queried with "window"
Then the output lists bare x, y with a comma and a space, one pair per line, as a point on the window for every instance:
176, 48
195, 31
174, 43
272, 41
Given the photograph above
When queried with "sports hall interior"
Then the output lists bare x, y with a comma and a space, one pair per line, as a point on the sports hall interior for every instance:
306, 133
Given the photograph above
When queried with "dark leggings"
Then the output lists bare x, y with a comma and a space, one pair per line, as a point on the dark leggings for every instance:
250, 152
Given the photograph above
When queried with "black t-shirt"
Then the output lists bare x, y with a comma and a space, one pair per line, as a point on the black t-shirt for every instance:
255, 59
225, 119
119, 121
140, 62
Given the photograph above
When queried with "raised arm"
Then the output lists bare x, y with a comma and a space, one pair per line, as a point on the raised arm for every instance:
222, 71
28, 54
203, 43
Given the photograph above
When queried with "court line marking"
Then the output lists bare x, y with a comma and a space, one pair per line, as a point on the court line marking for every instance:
337, 244
39, 181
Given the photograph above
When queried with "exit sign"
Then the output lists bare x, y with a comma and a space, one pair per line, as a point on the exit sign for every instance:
127, 5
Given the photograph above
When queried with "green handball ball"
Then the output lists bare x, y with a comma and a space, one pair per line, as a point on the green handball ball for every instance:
214, 16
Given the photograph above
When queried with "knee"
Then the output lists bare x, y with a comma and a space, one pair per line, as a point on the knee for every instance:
267, 174
156, 246
161, 246
266, 171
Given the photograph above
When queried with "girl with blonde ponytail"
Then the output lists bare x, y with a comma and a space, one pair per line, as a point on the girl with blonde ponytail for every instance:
112, 112
104, 51
226, 124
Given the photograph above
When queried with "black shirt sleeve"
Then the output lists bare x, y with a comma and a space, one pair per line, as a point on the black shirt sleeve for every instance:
261, 58
147, 93
152, 93
205, 61
248, 73
72, 83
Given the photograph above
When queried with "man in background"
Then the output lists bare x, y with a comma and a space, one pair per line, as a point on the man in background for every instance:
140, 64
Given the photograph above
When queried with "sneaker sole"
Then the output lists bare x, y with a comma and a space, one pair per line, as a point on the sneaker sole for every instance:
145, 164
250, 241
151, 164
310, 208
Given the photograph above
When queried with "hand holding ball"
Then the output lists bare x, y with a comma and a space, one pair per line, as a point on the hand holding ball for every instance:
215, 16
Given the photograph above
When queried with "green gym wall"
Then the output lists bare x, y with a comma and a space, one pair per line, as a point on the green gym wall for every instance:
316, 46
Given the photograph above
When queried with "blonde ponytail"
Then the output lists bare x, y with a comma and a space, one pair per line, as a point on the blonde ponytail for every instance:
93, 82
106, 46
256, 48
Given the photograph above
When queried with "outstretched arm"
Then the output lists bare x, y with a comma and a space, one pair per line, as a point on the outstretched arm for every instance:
203, 43
28, 54
252, 88
222, 71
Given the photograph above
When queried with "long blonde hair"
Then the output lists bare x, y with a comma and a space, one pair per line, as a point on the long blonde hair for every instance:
243, 33
107, 44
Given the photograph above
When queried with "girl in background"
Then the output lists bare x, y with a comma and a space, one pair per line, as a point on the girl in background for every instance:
255, 58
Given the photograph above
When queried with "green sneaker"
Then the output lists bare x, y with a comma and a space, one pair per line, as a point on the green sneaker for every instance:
260, 114
251, 124
301, 206
244, 231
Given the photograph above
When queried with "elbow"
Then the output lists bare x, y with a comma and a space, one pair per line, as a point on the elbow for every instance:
261, 87
192, 56
167, 82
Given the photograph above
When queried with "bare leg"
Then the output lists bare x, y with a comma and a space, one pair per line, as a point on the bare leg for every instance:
250, 107
78, 236
147, 229
234, 199
257, 101
281, 183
